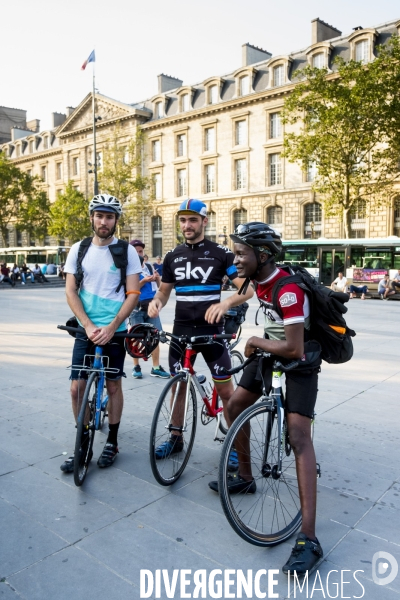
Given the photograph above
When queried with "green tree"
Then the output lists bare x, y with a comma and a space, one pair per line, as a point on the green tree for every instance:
69, 217
121, 176
22, 202
350, 123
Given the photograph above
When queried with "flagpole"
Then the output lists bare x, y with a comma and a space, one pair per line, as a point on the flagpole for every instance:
95, 183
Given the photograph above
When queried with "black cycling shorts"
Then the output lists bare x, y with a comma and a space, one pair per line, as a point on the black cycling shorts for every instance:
301, 385
115, 350
216, 355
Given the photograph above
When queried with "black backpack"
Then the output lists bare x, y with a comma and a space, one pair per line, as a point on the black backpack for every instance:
328, 326
119, 253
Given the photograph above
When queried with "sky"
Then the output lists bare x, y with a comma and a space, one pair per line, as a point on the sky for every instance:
45, 42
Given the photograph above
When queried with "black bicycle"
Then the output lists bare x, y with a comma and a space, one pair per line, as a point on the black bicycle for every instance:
271, 514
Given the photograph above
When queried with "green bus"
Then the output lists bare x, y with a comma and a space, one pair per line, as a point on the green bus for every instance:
360, 260
32, 255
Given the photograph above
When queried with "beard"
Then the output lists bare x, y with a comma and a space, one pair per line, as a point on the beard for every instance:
104, 232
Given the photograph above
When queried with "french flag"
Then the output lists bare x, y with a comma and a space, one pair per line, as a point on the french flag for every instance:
92, 58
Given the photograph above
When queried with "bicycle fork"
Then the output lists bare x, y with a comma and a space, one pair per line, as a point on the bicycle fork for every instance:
174, 407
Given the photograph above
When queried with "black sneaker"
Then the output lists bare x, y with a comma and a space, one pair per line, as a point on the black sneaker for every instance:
236, 485
304, 557
108, 455
68, 465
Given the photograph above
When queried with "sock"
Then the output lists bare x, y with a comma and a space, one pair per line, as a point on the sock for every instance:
113, 434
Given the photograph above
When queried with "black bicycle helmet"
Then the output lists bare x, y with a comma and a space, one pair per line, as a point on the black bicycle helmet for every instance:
142, 347
258, 236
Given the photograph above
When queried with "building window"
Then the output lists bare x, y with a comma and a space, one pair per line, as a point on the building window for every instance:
312, 220
75, 165
45, 143
397, 216
212, 94
358, 213
181, 191
318, 60
239, 217
156, 150
209, 139
278, 75
59, 170
240, 174
157, 186
158, 110
19, 238
311, 171
156, 224
43, 173
209, 179
181, 149
76, 187
211, 227
275, 169
31, 146
275, 216
275, 125
185, 102
59, 192
244, 85
240, 133
362, 50
29, 172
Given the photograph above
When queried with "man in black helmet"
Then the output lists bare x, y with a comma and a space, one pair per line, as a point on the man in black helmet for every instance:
256, 246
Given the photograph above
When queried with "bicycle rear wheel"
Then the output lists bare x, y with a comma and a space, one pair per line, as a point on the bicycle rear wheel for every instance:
168, 470
237, 359
85, 430
272, 514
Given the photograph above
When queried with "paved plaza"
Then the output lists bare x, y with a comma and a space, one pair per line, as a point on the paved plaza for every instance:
60, 542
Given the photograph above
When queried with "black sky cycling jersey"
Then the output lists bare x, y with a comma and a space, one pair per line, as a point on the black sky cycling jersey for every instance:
197, 270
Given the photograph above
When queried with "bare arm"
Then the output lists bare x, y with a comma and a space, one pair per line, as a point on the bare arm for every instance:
291, 347
160, 299
216, 311
101, 335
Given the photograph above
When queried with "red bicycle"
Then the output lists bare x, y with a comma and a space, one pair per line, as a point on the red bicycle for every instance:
173, 428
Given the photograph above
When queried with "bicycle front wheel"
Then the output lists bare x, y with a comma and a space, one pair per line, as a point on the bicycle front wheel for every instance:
168, 454
85, 429
271, 514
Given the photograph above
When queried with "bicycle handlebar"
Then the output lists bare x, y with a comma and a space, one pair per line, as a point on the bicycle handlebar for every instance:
277, 364
198, 339
139, 336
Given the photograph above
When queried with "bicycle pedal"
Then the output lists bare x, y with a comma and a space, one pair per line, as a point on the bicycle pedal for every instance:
220, 440
318, 470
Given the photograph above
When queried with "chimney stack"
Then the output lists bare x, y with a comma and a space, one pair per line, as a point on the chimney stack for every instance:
33, 125
57, 119
69, 110
321, 31
166, 83
252, 54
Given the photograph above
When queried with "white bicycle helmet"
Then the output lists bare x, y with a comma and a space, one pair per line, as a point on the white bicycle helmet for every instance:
105, 202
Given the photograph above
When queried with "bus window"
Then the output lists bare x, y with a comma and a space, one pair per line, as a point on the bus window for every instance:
8, 258
357, 255
305, 257
396, 261
36, 258
377, 259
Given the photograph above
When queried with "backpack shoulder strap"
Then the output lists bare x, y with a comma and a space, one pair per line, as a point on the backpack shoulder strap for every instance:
119, 253
83, 248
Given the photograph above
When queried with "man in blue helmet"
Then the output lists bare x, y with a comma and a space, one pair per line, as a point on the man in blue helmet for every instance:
196, 269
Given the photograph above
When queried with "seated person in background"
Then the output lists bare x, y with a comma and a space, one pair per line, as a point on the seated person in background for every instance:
340, 283
383, 287
5, 272
361, 289
37, 273
51, 269
61, 271
15, 273
395, 283
26, 272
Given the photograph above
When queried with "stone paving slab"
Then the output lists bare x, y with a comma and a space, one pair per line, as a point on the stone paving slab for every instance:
90, 542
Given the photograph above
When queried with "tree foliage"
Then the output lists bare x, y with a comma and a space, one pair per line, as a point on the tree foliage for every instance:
350, 124
69, 217
122, 176
23, 203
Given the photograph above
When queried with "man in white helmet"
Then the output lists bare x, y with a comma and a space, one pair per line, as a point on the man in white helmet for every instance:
102, 306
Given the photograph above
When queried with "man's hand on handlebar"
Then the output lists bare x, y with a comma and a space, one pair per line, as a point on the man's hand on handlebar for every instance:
215, 312
252, 346
101, 335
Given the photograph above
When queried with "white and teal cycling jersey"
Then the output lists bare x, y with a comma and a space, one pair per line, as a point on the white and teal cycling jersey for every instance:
101, 278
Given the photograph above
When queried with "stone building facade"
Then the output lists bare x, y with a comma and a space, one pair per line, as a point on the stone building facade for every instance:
219, 140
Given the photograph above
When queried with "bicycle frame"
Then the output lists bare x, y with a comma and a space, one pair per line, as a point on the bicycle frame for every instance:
213, 412
100, 405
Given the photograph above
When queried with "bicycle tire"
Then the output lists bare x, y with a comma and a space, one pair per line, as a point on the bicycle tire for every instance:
83, 456
168, 470
272, 514
237, 359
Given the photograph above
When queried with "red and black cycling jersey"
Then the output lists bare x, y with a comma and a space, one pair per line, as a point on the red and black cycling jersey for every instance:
197, 270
